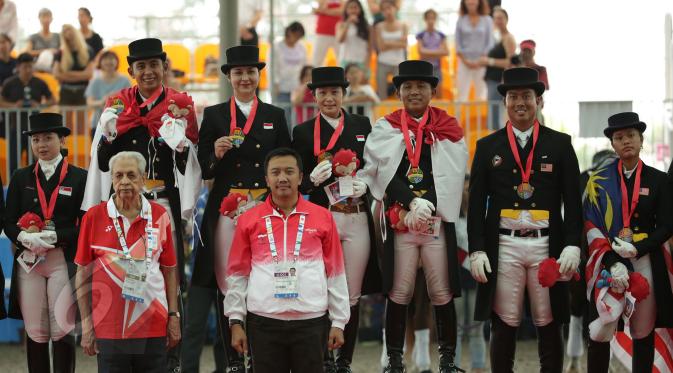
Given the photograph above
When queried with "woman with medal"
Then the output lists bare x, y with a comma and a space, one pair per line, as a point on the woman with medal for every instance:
628, 220
42, 220
417, 157
236, 136
331, 146
522, 176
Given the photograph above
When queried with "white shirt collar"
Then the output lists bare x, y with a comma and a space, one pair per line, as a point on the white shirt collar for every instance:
49, 167
334, 122
523, 136
114, 213
245, 107
628, 173
149, 106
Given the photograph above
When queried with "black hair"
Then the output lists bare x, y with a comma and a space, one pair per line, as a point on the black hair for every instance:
429, 12
498, 8
282, 152
7, 38
87, 12
303, 71
362, 25
295, 27
106, 54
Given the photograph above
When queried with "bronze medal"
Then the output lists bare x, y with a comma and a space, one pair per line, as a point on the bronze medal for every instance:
324, 156
415, 175
525, 190
237, 137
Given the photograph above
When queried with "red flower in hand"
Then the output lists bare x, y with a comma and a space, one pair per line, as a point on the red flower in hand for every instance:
30, 222
230, 203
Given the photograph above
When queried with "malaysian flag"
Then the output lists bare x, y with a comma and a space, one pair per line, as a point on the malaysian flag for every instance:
602, 213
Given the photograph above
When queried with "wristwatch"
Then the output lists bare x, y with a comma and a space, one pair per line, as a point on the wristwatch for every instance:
233, 322
174, 313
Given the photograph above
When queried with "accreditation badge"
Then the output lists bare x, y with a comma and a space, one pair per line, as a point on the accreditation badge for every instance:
285, 281
133, 288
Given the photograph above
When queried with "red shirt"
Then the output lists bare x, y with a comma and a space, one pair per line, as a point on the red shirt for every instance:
326, 25
113, 316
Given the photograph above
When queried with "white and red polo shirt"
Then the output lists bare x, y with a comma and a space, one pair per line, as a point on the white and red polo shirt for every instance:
113, 316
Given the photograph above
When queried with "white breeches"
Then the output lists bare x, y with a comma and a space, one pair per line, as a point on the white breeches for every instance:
431, 251
224, 236
46, 299
355, 241
518, 261
465, 78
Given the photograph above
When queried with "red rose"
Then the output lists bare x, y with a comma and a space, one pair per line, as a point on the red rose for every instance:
231, 202
30, 221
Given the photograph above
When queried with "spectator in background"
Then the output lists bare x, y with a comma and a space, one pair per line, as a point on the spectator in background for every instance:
302, 97
528, 60
375, 9
391, 42
354, 34
73, 66
23, 90
92, 39
108, 82
432, 44
329, 14
290, 57
8, 22
497, 60
474, 38
44, 44
358, 92
249, 16
7, 62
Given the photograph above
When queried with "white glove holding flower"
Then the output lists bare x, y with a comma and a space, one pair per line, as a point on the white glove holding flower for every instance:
569, 260
413, 221
173, 131
359, 188
321, 172
422, 207
620, 277
479, 266
35, 242
624, 249
108, 123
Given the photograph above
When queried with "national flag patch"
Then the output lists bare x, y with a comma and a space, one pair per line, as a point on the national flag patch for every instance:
546, 167
66, 191
644, 191
268, 126
360, 137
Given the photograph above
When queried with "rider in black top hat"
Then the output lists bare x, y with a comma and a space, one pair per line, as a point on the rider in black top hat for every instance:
520, 178
235, 137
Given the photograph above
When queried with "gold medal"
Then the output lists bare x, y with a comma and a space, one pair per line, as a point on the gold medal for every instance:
324, 156
525, 190
237, 137
415, 175
625, 234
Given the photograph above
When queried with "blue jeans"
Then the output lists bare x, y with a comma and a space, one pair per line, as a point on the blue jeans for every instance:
495, 106
474, 330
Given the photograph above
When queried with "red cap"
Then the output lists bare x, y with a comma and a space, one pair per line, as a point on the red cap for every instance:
527, 44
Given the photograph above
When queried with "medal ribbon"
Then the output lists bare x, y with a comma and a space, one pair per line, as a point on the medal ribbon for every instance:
414, 154
248, 122
48, 210
149, 242
332, 141
627, 211
525, 174
272, 240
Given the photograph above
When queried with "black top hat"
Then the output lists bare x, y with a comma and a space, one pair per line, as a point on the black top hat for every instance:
327, 77
242, 55
624, 120
47, 122
144, 49
415, 70
521, 77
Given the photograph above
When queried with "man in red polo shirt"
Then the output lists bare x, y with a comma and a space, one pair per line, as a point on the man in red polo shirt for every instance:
126, 259
285, 276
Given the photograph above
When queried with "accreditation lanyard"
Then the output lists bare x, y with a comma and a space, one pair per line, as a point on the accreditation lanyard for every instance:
272, 240
525, 173
48, 210
150, 239
627, 211
332, 141
248, 122
414, 154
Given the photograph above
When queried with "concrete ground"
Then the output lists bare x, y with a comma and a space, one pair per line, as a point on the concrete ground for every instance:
12, 359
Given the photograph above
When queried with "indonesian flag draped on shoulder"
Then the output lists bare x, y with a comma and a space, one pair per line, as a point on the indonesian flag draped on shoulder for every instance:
385, 148
189, 184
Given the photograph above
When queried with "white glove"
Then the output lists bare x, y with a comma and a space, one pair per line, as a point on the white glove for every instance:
422, 207
49, 237
173, 132
359, 188
624, 249
479, 265
569, 259
620, 277
412, 221
321, 172
34, 241
108, 122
